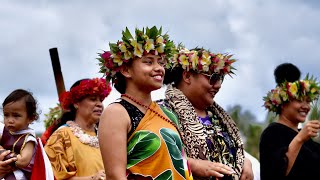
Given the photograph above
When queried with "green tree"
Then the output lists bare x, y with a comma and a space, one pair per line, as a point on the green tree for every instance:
249, 127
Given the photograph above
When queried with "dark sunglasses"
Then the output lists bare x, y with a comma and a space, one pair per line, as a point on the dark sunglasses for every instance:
214, 78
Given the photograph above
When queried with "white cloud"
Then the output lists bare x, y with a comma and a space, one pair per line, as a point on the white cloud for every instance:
260, 34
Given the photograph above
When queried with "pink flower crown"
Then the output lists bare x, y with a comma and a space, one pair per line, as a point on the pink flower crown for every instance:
146, 41
89, 87
286, 91
202, 60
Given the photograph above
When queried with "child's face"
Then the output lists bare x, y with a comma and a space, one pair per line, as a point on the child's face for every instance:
15, 116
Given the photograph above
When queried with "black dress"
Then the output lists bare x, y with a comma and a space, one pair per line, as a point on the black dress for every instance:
274, 143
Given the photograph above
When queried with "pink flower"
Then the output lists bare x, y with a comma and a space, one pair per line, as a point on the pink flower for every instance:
106, 55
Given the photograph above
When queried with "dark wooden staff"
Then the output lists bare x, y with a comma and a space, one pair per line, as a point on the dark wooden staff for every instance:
57, 70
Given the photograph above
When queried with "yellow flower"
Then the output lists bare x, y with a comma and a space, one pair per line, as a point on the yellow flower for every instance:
160, 40
293, 89
184, 61
195, 60
306, 85
276, 98
160, 49
117, 59
127, 55
284, 95
220, 64
137, 48
149, 45
313, 90
123, 48
206, 59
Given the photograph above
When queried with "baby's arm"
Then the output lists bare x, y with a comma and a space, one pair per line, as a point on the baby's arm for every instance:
24, 158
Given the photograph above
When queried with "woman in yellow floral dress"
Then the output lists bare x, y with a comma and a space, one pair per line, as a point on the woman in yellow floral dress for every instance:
73, 149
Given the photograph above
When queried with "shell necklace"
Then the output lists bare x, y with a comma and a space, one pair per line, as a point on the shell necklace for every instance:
82, 136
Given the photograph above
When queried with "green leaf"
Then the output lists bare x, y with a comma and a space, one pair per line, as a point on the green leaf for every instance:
113, 47
171, 115
141, 146
166, 175
153, 33
126, 34
174, 146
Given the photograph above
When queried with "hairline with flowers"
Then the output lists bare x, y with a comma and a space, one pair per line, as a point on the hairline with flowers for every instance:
201, 60
87, 87
284, 92
146, 41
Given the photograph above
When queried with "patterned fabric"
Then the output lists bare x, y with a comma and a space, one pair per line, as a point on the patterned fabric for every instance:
69, 157
135, 115
155, 149
15, 141
195, 134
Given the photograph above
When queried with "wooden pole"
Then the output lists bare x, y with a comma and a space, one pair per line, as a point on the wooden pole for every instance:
57, 70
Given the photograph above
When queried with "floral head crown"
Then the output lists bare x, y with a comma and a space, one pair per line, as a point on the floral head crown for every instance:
308, 87
202, 60
88, 87
149, 40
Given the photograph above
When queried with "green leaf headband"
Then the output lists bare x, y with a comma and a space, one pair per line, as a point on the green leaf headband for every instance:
275, 98
146, 41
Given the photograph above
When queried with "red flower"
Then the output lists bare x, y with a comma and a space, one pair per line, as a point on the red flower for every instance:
106, 55
96, 86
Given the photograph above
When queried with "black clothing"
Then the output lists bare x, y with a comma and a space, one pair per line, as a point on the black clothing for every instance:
274, 143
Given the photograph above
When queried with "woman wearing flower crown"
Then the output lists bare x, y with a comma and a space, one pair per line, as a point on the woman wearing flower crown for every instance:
211, 137
287, 152
73, 148
138, 139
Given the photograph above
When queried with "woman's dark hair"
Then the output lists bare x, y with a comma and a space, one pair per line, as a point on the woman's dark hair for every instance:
30, 102
286, 72
68, 115
173, 76
120, 81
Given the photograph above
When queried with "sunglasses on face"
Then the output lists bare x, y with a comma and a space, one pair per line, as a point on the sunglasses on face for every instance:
214, 78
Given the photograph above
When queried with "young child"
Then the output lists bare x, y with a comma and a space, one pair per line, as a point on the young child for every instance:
19, 110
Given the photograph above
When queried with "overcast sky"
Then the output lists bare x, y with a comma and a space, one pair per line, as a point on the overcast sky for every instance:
261, 34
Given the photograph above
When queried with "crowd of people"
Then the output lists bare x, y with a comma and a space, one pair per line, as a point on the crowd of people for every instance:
187, 135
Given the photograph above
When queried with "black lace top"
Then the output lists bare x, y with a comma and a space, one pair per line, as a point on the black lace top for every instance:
135, 114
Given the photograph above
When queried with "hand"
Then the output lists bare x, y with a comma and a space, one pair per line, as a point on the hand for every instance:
310, 129
5, 167
101, 175
247, 173
205, 168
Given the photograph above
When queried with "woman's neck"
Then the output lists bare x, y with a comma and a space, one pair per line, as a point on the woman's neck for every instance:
201, 112
84, 124
285, 121
140, 96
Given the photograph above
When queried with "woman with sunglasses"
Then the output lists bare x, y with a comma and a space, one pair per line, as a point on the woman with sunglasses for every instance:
211, 137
